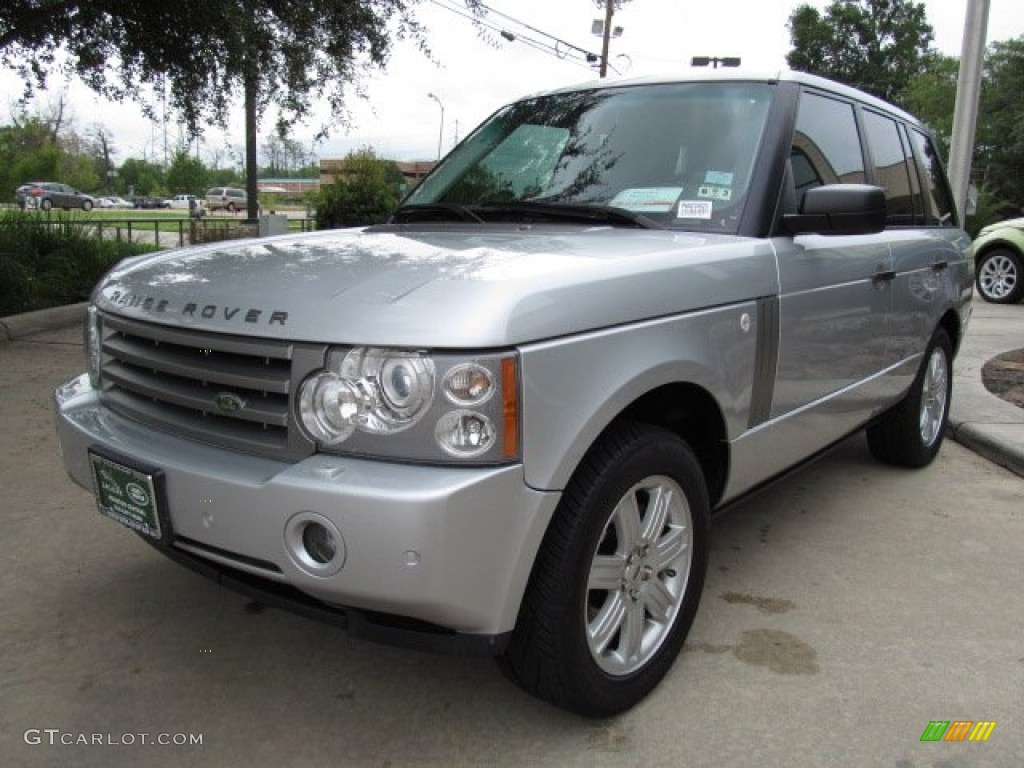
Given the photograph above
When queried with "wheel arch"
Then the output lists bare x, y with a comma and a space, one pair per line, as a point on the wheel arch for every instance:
692, 413
1013, 241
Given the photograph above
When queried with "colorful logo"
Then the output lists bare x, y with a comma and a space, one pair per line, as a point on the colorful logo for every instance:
958, 730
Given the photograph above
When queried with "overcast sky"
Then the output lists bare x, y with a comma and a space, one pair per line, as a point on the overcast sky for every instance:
473, 76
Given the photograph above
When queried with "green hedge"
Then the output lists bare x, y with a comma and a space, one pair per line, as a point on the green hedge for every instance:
47, 265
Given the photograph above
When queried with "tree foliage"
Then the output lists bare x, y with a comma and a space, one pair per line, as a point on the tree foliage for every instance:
200, 50
364, 192
186, 175
875, 45
998, 160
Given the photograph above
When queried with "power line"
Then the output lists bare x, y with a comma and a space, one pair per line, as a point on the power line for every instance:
530, 42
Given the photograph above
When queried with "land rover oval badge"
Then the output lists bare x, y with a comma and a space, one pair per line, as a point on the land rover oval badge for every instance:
229, 402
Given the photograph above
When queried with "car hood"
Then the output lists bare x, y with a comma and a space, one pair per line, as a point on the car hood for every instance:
451, 286
1014, 223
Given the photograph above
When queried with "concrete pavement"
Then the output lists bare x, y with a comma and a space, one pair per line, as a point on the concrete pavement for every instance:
978, 419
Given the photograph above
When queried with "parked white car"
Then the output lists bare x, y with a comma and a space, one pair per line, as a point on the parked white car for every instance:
115, 202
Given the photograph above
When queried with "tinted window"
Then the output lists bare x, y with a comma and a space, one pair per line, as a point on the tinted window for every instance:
892, 168
826, 145
938, 199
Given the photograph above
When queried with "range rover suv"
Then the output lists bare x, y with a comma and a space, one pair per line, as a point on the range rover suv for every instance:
501, 423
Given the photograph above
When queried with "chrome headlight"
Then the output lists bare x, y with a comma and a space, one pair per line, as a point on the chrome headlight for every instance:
93, 338
446, 406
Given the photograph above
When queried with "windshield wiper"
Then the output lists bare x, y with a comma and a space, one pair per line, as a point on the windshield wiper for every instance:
434, 212
604, 214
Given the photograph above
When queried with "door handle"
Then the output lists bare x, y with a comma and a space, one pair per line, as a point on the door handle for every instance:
883, 276
938, 266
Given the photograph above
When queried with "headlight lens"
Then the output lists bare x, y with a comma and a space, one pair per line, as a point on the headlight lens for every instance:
365, 395
396, 387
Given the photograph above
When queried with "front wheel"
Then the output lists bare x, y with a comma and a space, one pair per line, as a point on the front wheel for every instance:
910, 434
86, 205
45, 204
618, 579
1000, 276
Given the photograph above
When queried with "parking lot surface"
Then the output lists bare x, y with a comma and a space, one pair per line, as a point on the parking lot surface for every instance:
847, 607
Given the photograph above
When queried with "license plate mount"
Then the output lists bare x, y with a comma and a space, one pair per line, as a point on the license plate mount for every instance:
131, 494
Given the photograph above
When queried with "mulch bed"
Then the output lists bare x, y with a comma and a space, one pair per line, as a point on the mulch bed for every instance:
1004, 376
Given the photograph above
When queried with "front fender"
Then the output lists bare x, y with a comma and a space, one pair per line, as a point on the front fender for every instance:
574, 387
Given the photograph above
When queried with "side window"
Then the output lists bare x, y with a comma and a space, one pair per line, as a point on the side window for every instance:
826, 145
939, 211
892, 168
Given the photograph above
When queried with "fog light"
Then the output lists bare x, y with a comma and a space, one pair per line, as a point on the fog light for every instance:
318, 542
314, 544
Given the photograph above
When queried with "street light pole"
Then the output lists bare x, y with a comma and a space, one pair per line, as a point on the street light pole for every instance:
968, 94
440, 133
606, 37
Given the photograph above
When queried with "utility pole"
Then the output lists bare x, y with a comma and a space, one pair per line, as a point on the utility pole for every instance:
606, 38
968, 94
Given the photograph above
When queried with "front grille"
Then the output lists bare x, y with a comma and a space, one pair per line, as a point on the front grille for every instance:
231, 391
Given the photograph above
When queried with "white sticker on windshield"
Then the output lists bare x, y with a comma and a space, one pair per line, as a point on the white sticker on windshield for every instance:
694, 209
647, 199
722, 178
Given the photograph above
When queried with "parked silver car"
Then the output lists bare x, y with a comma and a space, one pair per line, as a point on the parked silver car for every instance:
230, 199
501, 423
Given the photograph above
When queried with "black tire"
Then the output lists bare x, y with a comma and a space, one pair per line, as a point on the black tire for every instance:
45, 204
999, 276
231, 207
911, 433
571, 641
86, 205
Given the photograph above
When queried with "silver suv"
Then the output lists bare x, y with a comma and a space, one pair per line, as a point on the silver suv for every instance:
502, 422
226, 198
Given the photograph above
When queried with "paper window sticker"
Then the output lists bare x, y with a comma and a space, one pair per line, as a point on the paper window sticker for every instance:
647, 199
694, 209
722, 178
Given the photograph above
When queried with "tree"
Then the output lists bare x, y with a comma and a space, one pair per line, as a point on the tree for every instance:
931, 96
998, 159
365, 191
139, 177
279, 51
186, 174
999, 148
875, 45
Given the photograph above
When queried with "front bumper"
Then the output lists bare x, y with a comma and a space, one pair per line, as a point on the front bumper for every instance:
450, 546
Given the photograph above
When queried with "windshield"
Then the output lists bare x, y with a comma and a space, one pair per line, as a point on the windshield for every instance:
680, 155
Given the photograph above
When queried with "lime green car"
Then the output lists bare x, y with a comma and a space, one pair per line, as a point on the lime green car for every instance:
999, 262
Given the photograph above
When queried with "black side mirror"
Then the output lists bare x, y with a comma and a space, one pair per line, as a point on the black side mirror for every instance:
839, 209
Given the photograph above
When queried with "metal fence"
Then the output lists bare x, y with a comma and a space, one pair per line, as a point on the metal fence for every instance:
168, 233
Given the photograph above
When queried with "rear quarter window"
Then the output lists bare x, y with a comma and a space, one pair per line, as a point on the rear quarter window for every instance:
939, 210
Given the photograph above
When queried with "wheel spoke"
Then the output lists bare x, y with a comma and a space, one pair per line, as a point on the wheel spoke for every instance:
658, 600
667, 549
606, 572
607, 622
632, 635
627, 522
658, 506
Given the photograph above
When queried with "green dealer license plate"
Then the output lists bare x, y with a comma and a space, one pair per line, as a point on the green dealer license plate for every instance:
129, 495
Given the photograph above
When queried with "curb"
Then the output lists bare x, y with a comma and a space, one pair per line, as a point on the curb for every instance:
19, 326
989, 441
